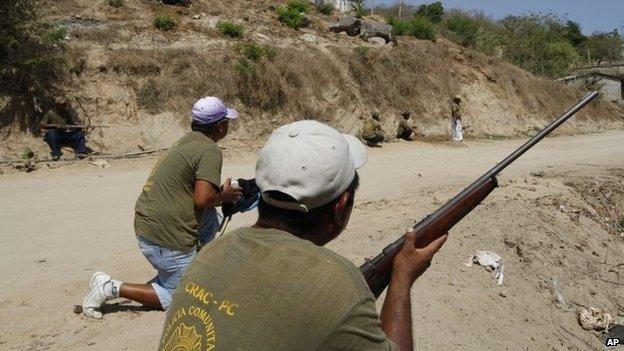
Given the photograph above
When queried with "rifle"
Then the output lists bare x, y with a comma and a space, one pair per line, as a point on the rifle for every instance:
378, 270
72, 126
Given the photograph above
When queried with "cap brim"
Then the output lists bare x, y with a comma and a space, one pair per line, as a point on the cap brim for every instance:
358, 152
231, 113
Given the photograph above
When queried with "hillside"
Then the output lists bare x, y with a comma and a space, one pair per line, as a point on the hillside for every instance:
142, 82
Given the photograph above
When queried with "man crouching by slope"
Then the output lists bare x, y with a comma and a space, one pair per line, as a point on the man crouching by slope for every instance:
181, 192
273, 286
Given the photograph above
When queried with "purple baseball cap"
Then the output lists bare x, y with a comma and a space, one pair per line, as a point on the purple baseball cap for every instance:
211, 109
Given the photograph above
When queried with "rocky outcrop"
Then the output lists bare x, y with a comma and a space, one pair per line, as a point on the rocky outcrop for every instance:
364, 28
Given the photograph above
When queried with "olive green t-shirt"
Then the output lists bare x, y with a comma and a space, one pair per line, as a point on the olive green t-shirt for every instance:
403, 126
58, 117
165, 213
265, 289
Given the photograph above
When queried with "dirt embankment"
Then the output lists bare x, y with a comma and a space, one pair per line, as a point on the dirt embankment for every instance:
142, 82
559, 224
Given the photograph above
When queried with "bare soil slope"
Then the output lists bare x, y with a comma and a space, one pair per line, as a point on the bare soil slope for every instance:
142, 82
61, 225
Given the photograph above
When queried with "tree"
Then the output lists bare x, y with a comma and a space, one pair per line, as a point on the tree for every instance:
433, 12
32, 61
574, 35
605, 46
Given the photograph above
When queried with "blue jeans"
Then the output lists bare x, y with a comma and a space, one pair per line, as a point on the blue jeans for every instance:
170, 264
209, 225
74, 138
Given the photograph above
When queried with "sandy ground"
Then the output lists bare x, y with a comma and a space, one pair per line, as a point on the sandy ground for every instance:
60, 225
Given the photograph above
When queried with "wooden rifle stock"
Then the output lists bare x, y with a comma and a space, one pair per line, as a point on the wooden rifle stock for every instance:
378, 270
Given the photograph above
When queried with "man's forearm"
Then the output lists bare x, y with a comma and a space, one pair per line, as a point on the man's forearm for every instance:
396, 314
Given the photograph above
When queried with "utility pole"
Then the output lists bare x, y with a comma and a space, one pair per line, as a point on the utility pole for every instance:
372, 6
400, 8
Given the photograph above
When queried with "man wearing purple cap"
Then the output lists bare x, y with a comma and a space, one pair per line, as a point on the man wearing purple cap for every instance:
181, 192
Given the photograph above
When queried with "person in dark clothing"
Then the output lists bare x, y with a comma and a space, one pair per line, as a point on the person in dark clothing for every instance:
63, 129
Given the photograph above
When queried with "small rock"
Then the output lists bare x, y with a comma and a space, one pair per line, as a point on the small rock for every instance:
309, 38
502, 294
43, 260
196, 17
377, 41
78, 16
77, 309
538, 174
203, 14
592, 292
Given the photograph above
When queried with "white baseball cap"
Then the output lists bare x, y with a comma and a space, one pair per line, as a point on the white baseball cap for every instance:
211, 109
309, 161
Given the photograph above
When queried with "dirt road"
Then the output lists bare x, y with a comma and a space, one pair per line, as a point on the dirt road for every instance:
58, 226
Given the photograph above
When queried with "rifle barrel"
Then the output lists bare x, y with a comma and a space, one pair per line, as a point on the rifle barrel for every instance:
541, 135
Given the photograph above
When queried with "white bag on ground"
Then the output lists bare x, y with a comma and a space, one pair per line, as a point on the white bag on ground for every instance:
489, 260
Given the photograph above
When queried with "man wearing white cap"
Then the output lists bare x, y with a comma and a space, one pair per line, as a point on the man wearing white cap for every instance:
180, 193
273, 286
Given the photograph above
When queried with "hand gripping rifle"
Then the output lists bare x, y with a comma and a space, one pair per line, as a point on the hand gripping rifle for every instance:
378, 270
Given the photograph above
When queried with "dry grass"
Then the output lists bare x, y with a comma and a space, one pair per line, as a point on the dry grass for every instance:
104, 36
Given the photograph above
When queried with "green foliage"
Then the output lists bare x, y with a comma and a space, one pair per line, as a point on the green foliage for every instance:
463, 29
55, 36
253, 54
300, 6
293, 14
558, 57
421, 28
256, 52
359, 11
325, 8
115, 3
604, 46
164, 22
362, 52
244, 67
433, 12
399, 27
573, 34
31, 56
230, 29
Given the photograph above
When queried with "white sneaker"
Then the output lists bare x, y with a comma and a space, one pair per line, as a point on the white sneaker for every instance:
100, 291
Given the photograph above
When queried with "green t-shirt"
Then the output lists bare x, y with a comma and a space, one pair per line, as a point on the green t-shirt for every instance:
165, 213
58, 117
265, 289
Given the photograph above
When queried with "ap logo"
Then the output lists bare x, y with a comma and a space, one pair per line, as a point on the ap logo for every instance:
612, 342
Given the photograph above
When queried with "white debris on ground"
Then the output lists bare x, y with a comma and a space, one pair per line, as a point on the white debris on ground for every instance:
491, 261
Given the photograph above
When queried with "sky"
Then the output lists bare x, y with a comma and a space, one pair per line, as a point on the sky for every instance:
593, 15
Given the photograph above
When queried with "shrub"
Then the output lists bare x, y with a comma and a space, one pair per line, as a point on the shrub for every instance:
256, 52
55, 36
362, 51
164, 22
325, 8
421, 28
33, 62
230, 29
115, 3
359, 10
300, 6
464, 29
433, 12
292, 16
244, 67
399, 27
